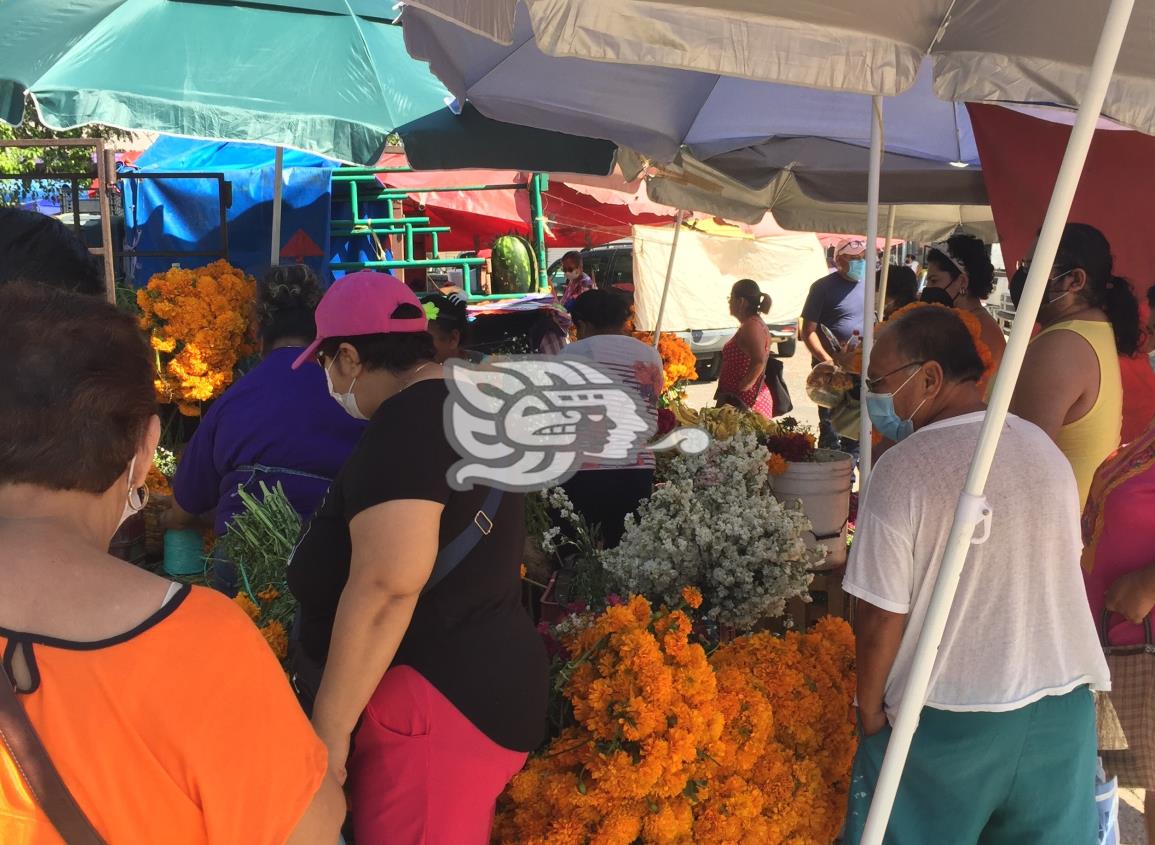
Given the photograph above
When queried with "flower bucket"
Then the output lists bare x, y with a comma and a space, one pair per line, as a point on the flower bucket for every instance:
184, 552
822, 486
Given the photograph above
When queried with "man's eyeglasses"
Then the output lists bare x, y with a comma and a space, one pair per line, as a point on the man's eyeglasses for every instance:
873, 383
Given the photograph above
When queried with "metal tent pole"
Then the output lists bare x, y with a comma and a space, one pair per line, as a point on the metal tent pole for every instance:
972, 507
669, 277
537, 209
278, 170
880, 303
868, 283
107, 253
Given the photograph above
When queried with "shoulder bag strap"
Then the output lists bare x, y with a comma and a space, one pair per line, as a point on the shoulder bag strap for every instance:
44, 782
465, 542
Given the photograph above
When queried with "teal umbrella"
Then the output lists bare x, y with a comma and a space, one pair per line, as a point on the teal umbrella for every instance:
325, 76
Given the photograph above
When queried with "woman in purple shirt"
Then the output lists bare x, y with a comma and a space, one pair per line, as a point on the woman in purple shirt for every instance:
276, 424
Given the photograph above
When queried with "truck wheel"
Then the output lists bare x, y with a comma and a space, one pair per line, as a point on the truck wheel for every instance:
708, 368
787, 349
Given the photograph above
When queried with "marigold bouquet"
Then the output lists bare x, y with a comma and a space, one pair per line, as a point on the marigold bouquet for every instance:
715, 523
679, 366
200, 326
789, 739
670, 746
260, 542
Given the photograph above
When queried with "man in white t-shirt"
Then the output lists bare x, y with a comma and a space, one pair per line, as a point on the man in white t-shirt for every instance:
1005, 751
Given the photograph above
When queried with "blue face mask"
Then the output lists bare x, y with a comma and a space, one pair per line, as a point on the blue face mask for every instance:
880, 407
857, 269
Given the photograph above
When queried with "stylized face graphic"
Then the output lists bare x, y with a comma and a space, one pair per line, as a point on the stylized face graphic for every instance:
531, 422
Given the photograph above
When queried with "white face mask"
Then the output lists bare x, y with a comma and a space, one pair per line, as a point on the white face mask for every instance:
346, 400
573, 275
136, 500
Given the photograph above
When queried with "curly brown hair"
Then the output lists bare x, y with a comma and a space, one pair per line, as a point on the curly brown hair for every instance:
287, 298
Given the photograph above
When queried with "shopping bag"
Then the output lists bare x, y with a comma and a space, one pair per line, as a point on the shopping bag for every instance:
1127, 740
776, 382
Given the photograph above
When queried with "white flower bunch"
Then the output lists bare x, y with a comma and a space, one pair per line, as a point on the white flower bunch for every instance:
165, 462
716, 525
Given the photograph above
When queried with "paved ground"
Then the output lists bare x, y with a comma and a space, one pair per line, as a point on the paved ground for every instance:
796, 369
1131, 827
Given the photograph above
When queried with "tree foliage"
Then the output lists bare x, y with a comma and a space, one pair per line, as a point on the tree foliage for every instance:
46, 160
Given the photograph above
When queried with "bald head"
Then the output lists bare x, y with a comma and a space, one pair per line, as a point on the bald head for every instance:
926, 362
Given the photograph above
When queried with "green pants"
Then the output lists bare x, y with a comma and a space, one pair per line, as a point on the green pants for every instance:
1025, 777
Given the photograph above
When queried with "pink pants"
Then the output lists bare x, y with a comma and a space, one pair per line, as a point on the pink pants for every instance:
420, 772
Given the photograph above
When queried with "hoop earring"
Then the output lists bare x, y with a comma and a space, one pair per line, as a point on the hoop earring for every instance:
138, 498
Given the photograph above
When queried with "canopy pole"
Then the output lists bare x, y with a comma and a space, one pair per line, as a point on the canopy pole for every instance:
868, 282
880, 304
278, 171
537, 209
105, 173
972, 507
669, 277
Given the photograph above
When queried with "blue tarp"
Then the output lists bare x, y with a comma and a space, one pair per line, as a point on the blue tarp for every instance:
183, 214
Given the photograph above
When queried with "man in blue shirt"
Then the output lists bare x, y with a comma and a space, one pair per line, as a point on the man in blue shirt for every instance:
836, 302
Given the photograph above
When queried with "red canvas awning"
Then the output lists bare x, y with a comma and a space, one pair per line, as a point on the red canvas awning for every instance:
575, 217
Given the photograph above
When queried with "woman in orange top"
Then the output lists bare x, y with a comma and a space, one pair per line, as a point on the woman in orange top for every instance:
156, 736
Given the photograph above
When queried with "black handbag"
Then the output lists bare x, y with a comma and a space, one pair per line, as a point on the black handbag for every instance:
776, 383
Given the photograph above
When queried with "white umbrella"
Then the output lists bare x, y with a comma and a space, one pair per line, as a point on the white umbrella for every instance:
930, 203
1020, 51
983, 50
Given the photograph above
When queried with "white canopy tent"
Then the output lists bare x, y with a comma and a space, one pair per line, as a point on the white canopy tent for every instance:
983, 50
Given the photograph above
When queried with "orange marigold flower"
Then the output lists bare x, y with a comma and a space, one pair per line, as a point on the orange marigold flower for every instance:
692, 596
776, 464
277, 639
248, 606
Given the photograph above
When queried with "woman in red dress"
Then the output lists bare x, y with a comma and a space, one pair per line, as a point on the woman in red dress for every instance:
742, 381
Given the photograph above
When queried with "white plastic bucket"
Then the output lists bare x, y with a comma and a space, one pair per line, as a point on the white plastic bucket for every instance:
823, 487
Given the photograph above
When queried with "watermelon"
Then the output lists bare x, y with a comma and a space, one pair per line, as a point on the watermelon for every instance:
514, 265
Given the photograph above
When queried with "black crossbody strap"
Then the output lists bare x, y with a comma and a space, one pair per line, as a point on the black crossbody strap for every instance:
459, 548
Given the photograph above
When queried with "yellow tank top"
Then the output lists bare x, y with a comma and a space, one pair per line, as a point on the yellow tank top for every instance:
1090, 440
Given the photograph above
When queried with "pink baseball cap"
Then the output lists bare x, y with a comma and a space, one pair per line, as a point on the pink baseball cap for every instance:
363, 303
